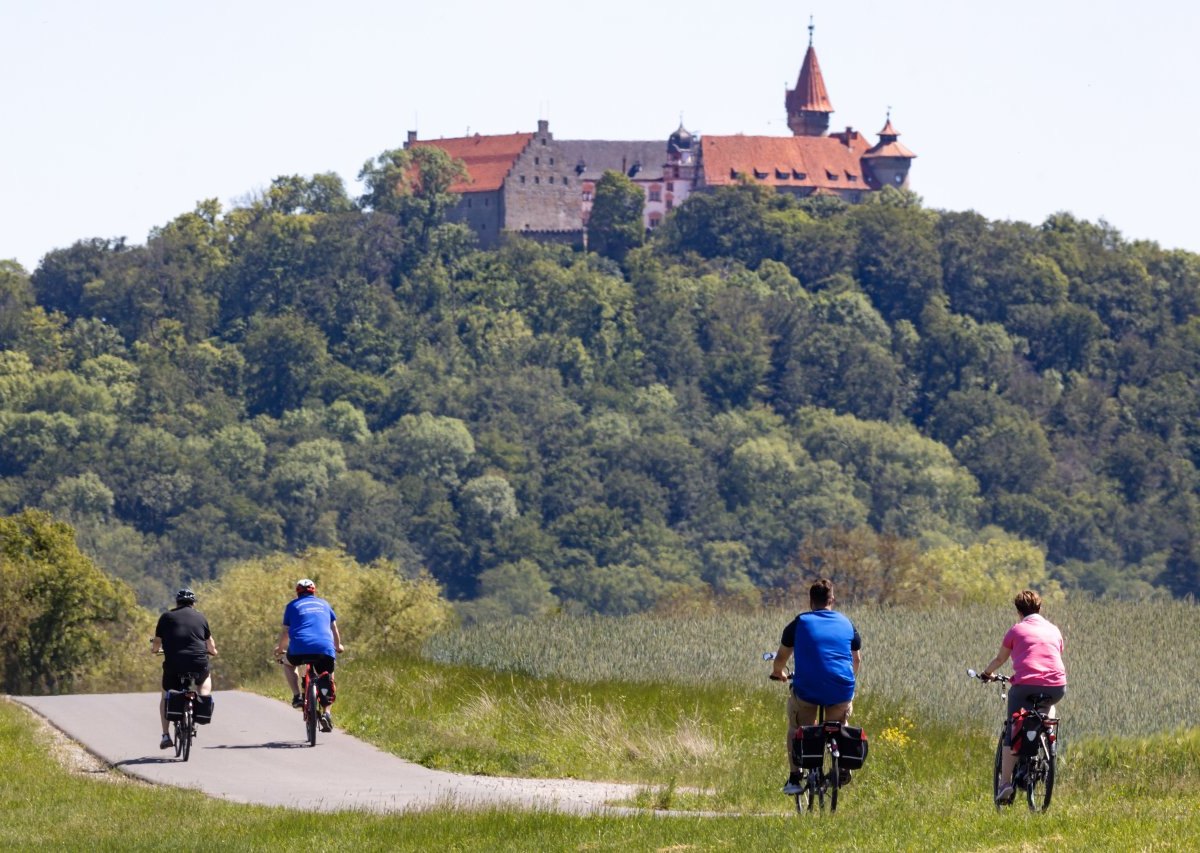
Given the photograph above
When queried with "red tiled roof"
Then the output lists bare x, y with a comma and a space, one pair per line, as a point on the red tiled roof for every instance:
810, 93
785, 161
489, 158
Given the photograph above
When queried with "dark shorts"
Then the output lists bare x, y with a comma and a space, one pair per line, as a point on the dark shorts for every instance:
1018, 698
174, 672
322, 663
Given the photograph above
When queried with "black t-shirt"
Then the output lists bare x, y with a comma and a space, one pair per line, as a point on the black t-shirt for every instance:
184, 631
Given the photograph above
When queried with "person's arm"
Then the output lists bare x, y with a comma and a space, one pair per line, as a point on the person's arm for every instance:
156, 645
281, 643
781, 658
855, 659
210, 646
997, 662
337, 638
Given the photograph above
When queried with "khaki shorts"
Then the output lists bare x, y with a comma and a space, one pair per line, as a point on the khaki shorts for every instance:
801, 713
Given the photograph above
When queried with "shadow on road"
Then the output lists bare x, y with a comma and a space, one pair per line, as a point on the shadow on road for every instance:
147, 760
275, 744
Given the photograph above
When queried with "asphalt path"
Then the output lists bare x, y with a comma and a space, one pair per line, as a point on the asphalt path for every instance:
255, 751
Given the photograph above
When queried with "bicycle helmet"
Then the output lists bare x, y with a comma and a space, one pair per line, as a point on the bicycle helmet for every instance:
185, 596
305, 586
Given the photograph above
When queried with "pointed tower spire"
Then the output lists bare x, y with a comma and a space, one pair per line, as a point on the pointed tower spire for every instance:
808, 106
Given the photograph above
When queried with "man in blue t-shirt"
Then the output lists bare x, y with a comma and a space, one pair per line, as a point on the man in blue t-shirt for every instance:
310, 632
828, 653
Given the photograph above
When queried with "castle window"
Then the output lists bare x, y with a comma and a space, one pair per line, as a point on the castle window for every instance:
537, 160
851, 177
655, 220
799, 176
551, 179
522, 179
551, 161
537, 179
655, 193
670, 186
565, 181
830, 175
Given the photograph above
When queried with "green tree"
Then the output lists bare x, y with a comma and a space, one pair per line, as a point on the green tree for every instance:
63, 617
615, 225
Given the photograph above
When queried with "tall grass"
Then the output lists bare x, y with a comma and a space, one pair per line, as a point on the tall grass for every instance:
1127, 664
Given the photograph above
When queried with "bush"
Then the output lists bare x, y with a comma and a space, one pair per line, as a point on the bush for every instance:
377, 609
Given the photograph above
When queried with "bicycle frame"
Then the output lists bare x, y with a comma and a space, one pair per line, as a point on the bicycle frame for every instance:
185, 728
817, 782
1034, 772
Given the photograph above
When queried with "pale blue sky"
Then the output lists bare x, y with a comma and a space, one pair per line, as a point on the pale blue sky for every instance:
119, 116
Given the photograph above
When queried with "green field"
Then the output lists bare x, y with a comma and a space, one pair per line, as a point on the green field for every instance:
682, 707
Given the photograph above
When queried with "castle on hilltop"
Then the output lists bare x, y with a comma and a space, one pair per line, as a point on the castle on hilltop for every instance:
541, 187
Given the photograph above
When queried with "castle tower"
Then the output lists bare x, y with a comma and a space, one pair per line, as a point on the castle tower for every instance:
680, 146
808, 107
888, 161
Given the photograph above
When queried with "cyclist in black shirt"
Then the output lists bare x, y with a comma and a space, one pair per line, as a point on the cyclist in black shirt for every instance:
186, 643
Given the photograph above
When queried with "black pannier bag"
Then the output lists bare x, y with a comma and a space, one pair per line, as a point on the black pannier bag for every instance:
1024, 730
808, 746
852, 747
326, 688
176, 702
202, 710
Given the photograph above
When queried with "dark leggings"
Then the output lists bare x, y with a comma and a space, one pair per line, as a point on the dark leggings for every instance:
1018, 698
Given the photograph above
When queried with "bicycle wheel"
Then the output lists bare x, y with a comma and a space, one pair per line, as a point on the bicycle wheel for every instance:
835, 782
177, 727
1041, 779
186, 737
996, 768
311, 711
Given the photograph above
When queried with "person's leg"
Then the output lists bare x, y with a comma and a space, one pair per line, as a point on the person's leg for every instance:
799, 713
206, 685
162, 711
291, 675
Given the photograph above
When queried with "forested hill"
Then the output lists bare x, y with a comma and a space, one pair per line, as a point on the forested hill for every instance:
920, 403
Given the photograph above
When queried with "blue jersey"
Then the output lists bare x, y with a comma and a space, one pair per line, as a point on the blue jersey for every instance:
822, 642
309, 621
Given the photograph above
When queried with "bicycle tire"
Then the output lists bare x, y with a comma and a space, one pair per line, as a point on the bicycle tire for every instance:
311, 710
997, 767
835, 783
189, 721
1040, 785
178, 729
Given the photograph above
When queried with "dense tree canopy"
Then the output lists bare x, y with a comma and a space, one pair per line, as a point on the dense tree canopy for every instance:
760, 386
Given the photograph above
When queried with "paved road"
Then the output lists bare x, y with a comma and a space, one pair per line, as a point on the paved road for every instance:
254, 751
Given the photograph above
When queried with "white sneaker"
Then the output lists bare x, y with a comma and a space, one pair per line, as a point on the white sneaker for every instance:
793, 785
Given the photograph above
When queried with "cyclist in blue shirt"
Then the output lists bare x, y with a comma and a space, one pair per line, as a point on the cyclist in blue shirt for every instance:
311, 635
828, 652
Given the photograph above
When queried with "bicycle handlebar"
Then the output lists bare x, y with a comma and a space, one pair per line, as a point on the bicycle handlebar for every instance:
1003, 679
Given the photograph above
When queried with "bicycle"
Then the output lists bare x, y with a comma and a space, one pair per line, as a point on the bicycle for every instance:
1035, 736
184, 725
817, 751
316, 713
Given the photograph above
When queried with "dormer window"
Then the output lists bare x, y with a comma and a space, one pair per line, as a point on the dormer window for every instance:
762, 176
799, 176
782, 174
831, 175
